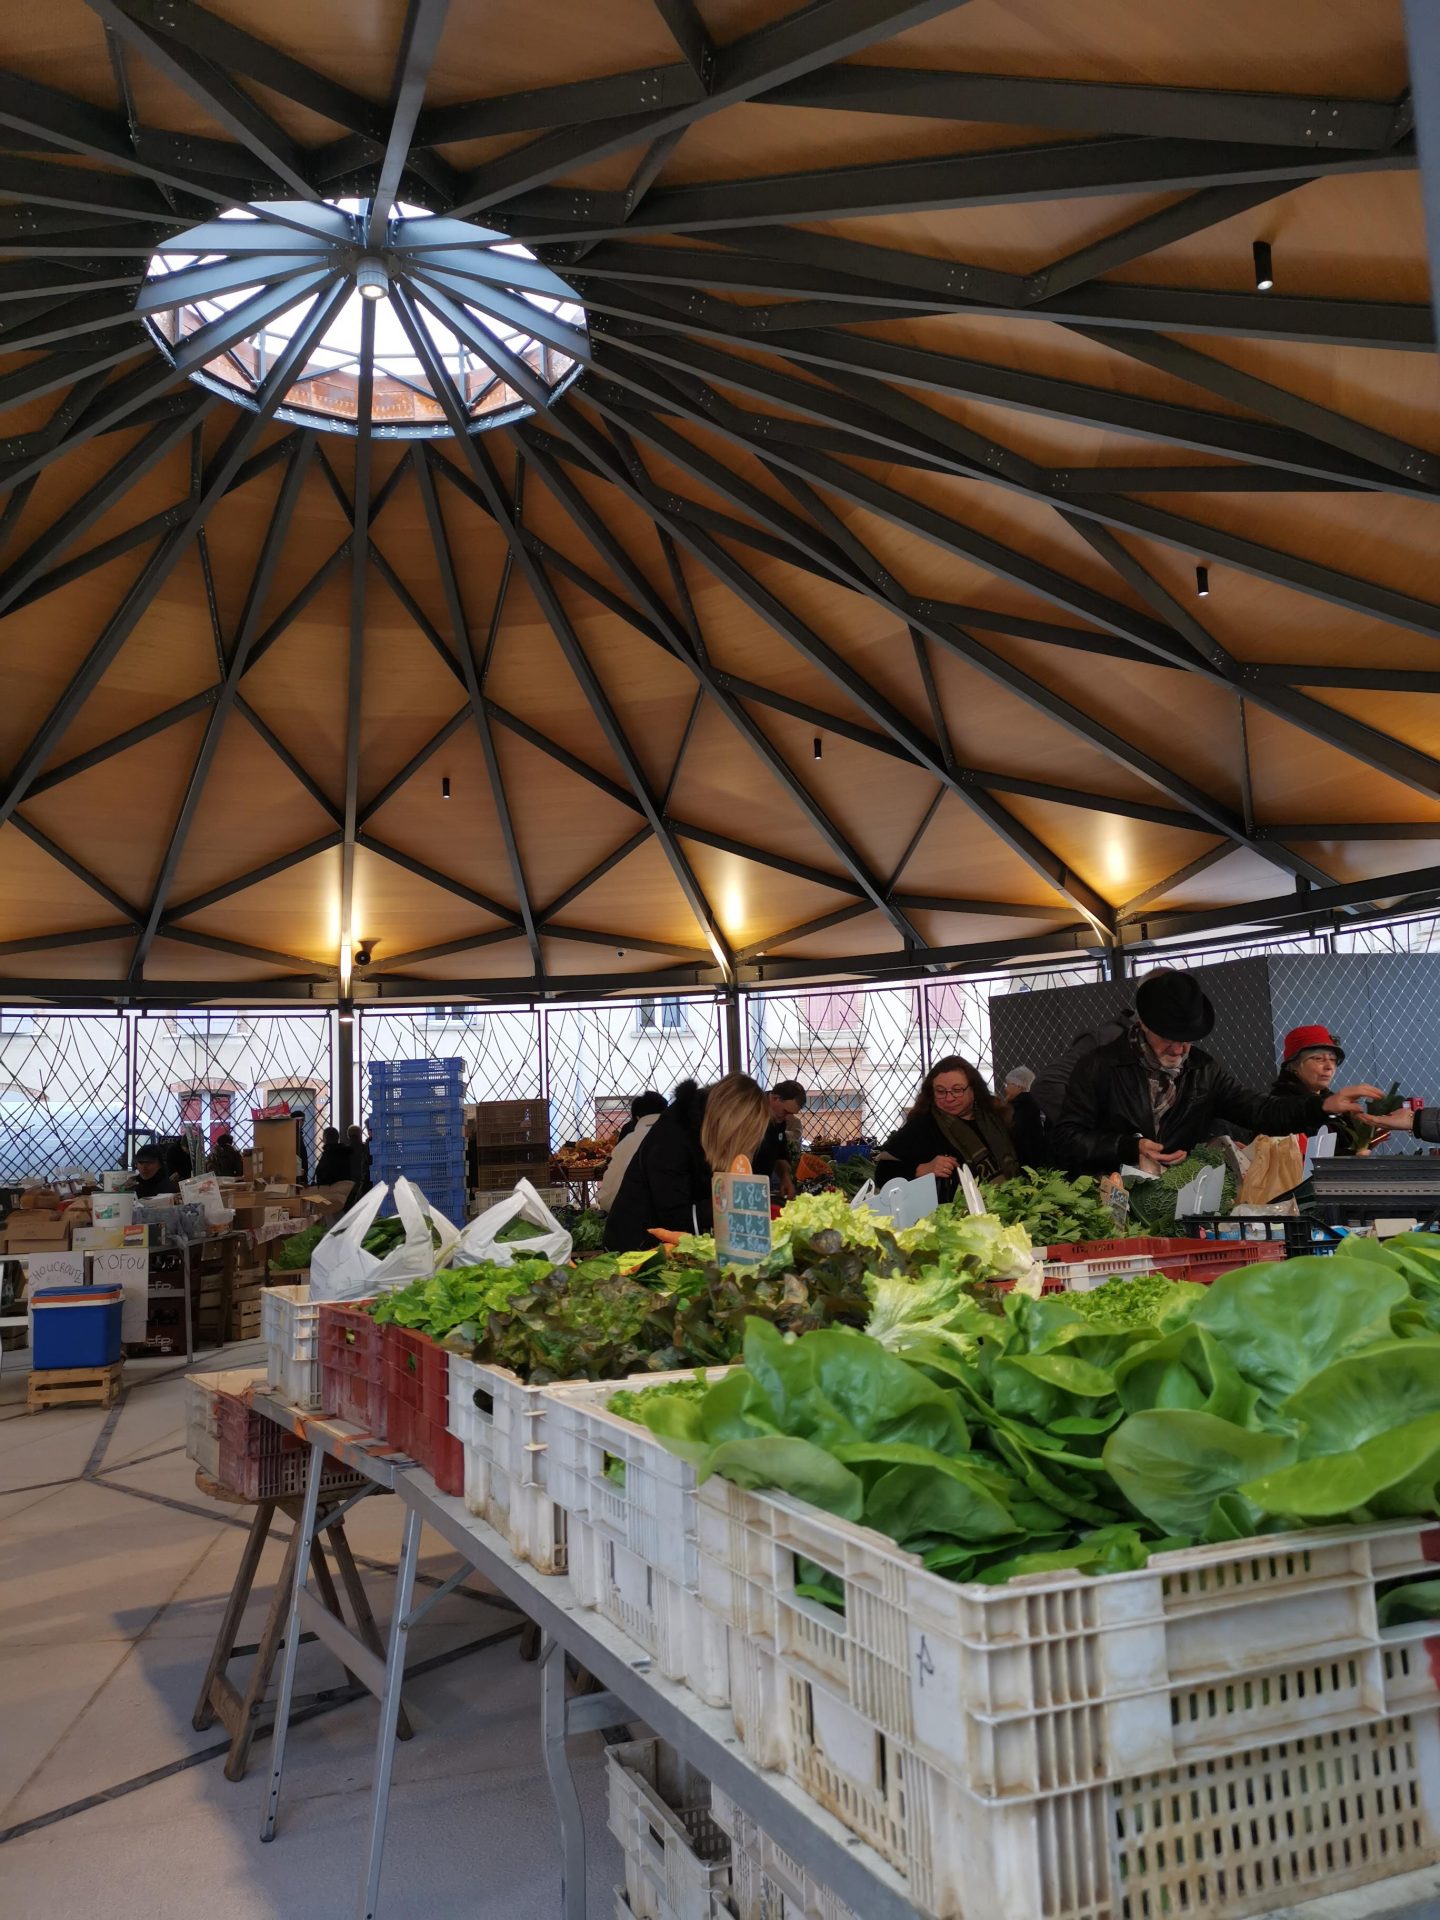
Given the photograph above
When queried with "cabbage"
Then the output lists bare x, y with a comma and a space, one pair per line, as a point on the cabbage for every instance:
973, 1245
811, 1213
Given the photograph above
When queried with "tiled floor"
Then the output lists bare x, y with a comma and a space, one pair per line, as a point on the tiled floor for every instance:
114, 1570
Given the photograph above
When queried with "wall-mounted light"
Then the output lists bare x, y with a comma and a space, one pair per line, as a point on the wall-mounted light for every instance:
1202, 583
372, 279
445, 786
818, 746
1264, 268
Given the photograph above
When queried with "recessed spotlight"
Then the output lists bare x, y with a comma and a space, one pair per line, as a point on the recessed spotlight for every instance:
1202, 583
372, 279
1264, 267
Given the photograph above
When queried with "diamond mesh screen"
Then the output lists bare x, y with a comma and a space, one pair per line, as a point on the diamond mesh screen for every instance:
501, 1047
209, 1070
858, 1053
63, 1083
597, 1057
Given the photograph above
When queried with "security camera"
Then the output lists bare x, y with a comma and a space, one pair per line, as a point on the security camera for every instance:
363, 954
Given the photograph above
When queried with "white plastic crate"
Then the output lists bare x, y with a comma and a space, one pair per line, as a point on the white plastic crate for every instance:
1060, 1680
202, 1420
1226, 1838
500, 1423
676, 1857
765, 1882
615, 1474
685, 1642
1080, 1276
290, 1328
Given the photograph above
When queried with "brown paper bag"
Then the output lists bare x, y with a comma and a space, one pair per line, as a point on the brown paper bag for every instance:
1276, 1166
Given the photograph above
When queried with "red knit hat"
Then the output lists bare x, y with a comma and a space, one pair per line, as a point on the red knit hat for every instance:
1310, 1040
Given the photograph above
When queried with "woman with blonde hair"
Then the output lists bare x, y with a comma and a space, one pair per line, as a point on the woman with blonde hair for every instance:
667, 1184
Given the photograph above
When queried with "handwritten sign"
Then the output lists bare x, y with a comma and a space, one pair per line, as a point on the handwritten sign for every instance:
128, 1268
742, 1217
55, 1270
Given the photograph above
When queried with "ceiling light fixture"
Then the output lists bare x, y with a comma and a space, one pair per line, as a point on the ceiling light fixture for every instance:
817, 746
445, 786
1202, 583
372, 279
1264, 269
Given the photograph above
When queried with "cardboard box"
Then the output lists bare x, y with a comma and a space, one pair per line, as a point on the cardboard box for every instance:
46, 1229
97, 1239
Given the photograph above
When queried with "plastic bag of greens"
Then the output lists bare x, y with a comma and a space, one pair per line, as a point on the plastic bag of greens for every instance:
342, 1269
482, 1239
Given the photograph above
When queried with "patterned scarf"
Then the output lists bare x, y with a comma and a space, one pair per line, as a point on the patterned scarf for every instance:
981, 1142
1163, 1080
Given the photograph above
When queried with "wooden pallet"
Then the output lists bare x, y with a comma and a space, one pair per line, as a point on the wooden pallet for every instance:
73, 1386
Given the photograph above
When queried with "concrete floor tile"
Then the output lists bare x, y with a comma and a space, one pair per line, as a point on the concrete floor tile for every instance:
85, 1566
43, 1697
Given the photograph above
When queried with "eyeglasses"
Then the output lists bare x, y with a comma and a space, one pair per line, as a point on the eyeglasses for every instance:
955, 1091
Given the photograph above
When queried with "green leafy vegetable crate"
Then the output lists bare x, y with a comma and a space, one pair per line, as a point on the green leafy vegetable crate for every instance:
1281, 1692
499, 1422
765, 1883
1057, 1680
289, 1326
677, 1860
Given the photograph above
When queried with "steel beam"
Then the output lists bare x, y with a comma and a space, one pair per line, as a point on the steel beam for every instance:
464, 648
1285, 909
81, 872
1086, 106
359, 559
207, 84
814, 36
413, 765
1192, 870
437, 879
1422, 33
424, 23
275, 536
483, 472
227, 889
241, 951
122, 742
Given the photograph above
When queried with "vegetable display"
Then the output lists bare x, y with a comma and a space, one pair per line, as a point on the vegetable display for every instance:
1054, 1211
293, 1255
1152, 1202
456, 1301
1088, 1431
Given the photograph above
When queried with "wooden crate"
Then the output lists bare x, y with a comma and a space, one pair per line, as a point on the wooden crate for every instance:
73, 1387
244, 1319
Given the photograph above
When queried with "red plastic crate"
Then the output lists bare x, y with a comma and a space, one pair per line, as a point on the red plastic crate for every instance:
1095, 1250
261, 1461
417, 1393
352, 1367
1206, 1260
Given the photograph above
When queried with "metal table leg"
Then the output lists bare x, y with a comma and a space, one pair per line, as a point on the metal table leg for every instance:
553, 1729
303, 1538
400, 1623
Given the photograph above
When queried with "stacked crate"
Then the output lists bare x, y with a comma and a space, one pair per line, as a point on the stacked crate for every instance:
512, 1142
417, 1128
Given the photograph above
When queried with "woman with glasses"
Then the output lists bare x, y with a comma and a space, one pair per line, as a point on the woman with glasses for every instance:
956, 1121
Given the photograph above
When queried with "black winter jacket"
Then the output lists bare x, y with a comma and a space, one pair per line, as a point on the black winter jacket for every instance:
667, 1183
1107, 1109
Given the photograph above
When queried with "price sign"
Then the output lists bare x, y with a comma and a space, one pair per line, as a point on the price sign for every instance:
742, 1217
129, 1268
55, 1270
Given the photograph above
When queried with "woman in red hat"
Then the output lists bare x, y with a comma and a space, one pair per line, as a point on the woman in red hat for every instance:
1309, 1061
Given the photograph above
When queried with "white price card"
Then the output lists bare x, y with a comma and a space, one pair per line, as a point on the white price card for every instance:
129, 1268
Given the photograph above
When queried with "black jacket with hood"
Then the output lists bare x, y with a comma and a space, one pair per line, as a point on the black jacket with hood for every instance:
667, 1183
1107, 1110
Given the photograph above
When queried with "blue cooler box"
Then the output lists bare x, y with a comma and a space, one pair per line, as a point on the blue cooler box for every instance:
75, 1326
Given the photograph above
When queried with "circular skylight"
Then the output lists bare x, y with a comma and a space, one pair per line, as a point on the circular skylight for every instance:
468, 326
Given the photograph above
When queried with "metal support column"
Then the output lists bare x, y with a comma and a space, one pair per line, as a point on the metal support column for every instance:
734, 1048
562, 1784
1116, 963
396, 1642
345, 1065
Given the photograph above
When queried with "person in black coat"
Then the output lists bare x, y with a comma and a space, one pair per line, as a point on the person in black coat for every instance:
1027, 1122
154, 1176
956, 1121
334, 1164
1149, 1097
225, 1157
667, 1183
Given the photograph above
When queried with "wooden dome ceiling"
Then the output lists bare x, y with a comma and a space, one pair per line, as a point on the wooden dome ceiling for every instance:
842, 616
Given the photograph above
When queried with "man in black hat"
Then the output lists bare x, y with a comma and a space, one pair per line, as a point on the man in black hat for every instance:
1146, 1098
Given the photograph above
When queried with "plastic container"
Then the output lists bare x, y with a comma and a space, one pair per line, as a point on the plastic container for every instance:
1057, 1680
417, 1406
352, 1367
290, 1328
615, 1474
75, 1326
1223, 1838
677, 1860
500, 1423
765, 1882
244, 1451
687, 1643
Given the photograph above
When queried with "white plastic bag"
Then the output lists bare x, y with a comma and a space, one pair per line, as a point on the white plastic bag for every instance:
341, 1268
479, 1241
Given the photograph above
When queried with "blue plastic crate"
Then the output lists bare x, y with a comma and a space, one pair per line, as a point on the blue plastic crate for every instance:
416, 1072
406, 1129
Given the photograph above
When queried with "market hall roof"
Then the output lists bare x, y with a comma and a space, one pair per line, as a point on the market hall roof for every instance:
757, 530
